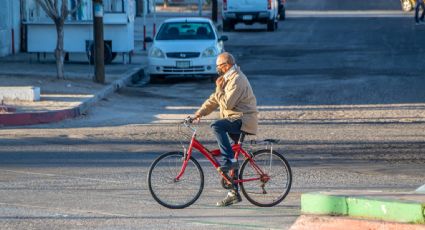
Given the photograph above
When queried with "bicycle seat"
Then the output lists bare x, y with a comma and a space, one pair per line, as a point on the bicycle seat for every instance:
240, 137
272, 141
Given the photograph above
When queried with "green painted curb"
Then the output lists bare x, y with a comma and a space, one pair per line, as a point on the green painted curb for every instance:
364, 207
391, 210
317, 203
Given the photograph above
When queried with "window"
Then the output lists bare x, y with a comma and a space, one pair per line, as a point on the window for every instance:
186, 31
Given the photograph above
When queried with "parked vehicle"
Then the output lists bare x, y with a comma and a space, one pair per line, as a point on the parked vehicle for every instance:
118, 36
184, 46
407, 5
250, 12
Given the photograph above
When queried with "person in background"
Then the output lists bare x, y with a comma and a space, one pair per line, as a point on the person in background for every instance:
419, 4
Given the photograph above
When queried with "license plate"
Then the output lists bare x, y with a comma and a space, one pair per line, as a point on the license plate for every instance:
183, 64
247, 17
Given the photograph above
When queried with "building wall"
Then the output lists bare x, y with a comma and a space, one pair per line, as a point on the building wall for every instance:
9, 20
33, 12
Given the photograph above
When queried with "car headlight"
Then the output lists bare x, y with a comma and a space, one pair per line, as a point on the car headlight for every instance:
210, 52
156, 52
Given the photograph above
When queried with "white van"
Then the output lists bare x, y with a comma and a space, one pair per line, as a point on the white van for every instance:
249, 12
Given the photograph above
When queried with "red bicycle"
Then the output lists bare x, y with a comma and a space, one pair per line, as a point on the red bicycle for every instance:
176, 179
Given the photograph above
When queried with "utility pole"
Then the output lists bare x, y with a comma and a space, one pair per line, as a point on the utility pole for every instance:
99, 61
145, 11
13, 27
214, 15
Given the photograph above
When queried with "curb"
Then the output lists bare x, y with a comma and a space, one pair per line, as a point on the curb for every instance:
7, 109
131, 77
370, 206
313, 222
18, 119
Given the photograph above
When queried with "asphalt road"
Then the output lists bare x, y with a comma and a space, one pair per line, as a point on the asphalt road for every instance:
316, 80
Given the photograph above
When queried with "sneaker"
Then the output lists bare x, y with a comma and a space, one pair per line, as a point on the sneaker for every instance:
229, 166
420, 22
231, 198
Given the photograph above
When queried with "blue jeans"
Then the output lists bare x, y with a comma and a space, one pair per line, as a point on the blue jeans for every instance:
221, 128
419, 4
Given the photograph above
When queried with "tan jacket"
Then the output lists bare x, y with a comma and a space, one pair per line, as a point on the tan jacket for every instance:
236, 101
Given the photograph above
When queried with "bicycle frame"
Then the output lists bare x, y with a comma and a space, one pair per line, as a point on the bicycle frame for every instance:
237, 149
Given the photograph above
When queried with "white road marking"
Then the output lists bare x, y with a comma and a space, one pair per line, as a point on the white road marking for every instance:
68, 211
60, 175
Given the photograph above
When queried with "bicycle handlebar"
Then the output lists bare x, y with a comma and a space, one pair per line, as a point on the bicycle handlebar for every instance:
188, 120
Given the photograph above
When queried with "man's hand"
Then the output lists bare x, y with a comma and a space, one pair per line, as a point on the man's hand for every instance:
197, 118
220, 82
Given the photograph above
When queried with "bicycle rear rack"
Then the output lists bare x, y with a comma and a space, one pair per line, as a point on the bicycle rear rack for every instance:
267, 142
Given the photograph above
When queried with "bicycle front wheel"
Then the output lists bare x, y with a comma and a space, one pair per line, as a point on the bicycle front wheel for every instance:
276, 181
168, 191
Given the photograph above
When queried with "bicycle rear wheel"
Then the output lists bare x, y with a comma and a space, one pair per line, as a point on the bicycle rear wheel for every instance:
272, 192
163, 185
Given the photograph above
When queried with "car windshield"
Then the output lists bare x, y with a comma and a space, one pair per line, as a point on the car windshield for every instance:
186, 31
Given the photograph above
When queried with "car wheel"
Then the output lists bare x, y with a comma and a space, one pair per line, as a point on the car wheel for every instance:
114, 55
271, 25
232, 26
107, 56
406, 6
228, 26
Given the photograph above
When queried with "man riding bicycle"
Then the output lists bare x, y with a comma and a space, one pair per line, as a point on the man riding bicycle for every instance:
238, 113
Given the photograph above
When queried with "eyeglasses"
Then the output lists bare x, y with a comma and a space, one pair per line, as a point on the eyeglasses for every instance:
221, 64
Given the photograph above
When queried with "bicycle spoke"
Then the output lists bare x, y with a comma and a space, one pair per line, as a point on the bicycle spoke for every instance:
274, 187
164, 187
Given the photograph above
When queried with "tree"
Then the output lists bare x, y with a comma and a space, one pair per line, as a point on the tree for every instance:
58, 11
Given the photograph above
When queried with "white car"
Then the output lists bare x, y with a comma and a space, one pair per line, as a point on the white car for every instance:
184, 46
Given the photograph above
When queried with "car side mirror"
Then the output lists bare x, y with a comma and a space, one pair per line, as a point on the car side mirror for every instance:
148, 39
223, 38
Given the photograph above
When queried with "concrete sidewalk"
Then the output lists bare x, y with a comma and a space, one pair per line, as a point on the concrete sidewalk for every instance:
60, 99
316, 222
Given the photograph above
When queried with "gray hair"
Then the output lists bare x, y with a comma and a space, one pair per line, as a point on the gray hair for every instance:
228, 58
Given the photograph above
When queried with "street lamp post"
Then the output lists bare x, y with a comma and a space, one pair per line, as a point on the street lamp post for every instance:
99, 63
